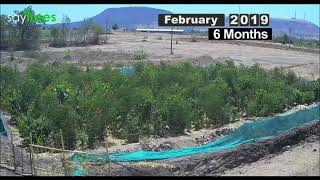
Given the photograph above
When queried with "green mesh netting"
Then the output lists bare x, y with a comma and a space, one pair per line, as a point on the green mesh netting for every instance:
2, 129
246, 133
79, 170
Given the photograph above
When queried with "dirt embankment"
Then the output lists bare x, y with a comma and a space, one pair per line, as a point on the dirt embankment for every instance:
218, 163
300, 160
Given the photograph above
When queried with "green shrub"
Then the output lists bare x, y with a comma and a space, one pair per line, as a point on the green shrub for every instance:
152, 101
139, 54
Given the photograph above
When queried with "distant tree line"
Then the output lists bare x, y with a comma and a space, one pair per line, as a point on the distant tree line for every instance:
152, 101
298, 42
88, 33
27, 35
19, 36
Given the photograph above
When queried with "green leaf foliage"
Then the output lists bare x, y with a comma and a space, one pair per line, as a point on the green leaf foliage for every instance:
152, 101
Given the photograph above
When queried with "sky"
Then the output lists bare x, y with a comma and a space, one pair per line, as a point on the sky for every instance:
79, 12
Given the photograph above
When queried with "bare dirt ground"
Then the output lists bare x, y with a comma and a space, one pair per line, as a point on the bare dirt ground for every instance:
7, 172
301, 160
121, 46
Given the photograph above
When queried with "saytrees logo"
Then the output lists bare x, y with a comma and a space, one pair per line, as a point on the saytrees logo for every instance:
27, 15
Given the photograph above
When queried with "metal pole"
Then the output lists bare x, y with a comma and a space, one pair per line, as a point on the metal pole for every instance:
106, 30
171, 40
289, 36
33, 170
253, 135
62, 143
0, 150
21, 153
13, 154
31, 165
107, 151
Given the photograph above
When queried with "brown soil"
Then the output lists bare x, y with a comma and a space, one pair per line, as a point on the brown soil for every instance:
121, 47
300, 160
216, 163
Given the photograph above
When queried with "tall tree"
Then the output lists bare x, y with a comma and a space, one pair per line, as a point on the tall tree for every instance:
96, 29
28, 32
54, 31
85, 28
8, 34
65, 28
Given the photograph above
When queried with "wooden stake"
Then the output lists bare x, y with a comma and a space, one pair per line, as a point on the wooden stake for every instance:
62, 144
171, 52
31, 165
253, 135
107, 151
13, 154
53, 149
21, 153
0, 150
33, 170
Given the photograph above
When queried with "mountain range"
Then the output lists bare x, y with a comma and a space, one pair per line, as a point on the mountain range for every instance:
145, 17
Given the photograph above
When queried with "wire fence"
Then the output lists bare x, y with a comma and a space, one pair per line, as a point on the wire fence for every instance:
47, 161
50, 158
14, 158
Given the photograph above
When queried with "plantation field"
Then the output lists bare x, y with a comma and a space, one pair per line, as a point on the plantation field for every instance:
153, 100
203, 98
62, 88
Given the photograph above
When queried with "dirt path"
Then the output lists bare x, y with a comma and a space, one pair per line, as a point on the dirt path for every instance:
302, 160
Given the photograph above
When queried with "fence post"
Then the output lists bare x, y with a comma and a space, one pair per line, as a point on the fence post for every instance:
107, 151
252, 129
0, 150
13, 154
171, 34
33, 170
62, 143
62, 150
31, 165
22, 168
